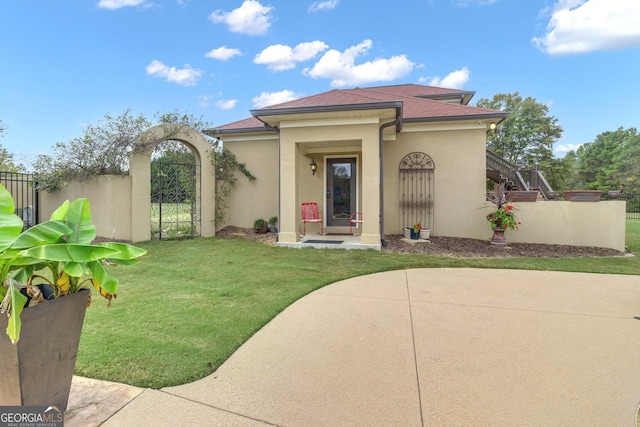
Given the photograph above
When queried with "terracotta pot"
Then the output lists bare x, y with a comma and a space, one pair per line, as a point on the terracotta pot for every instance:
582, 195
263, 229
522, 196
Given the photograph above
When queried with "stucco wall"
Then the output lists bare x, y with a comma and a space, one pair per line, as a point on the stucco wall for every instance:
251, 200
600, 224
110, 199
459, 189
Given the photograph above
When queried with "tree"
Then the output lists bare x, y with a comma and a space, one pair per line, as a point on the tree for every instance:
527, 136
102, 149
7, 164
105, 148
611, 161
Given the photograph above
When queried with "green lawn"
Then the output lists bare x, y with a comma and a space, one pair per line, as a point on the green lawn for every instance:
190, 304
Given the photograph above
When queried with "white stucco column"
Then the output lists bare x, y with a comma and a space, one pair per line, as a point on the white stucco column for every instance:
140, 172
370, 187
288, 191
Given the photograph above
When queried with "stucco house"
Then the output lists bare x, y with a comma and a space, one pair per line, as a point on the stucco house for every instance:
398, 154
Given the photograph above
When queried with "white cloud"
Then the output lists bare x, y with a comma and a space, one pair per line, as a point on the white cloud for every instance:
565, 148
117, 4
280, 57
340, 67
454, 80
583, 26
226, 104
251, 18
223, 53
323, 5
186, 76
271, 98
203, 101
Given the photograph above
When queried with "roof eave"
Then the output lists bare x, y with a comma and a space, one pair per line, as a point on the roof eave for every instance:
397, 105
499, 116
214, 132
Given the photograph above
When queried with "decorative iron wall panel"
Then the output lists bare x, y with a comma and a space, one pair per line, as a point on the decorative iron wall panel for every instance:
416, 190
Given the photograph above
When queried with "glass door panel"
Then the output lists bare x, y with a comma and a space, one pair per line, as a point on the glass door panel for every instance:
341, 191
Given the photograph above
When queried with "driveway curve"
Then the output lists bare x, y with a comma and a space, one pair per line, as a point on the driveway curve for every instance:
428, 347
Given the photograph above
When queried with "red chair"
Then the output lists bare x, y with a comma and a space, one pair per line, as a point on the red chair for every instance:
310, 214
355, 218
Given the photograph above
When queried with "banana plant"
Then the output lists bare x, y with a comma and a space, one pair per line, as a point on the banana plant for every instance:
58, 252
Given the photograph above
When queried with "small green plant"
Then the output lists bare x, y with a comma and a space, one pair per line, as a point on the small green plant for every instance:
417, 227
273, 221
59, 253
258, 223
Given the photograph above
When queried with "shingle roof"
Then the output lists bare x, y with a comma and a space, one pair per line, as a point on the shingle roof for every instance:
416, 105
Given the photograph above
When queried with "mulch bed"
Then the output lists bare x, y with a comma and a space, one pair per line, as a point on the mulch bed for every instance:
453, 246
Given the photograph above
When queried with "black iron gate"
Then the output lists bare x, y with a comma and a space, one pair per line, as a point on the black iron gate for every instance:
175, 200
25, 196
416, 190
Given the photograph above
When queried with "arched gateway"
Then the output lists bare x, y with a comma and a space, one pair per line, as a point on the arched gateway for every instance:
140, 172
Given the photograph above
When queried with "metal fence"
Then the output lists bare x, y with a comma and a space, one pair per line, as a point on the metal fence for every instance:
633, 205
25, 196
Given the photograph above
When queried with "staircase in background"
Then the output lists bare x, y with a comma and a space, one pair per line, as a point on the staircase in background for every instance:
501, 170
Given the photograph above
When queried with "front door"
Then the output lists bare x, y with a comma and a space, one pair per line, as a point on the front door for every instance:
341, 191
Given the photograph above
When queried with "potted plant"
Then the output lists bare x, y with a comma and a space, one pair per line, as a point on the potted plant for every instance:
503, 216
260, 226
273, 224
415, 231
425, 233
45, 275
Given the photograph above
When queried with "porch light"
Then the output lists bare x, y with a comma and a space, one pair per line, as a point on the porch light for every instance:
492, 125
314, 166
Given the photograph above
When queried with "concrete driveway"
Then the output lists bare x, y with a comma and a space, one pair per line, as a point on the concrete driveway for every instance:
427, 347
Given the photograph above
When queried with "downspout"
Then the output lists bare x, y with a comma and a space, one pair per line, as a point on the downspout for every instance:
381, 154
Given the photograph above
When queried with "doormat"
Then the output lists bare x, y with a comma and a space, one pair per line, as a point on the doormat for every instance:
327, 242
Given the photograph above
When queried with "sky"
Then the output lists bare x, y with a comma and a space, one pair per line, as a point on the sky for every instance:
66, 63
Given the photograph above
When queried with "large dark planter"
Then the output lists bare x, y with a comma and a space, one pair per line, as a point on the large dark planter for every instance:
582, 195
37, 371
498, 238
522, 196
